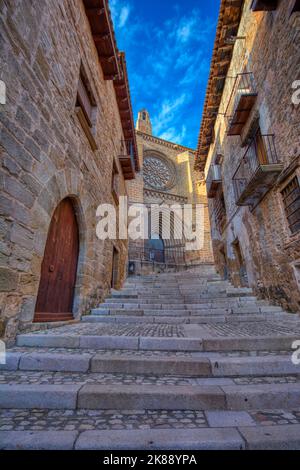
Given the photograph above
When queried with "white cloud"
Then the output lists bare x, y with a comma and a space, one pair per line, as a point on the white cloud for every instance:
196, 73
173, 135
120, 13
165, 121
185, 30
124, 15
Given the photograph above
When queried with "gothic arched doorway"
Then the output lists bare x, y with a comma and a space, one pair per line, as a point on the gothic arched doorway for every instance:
59, 266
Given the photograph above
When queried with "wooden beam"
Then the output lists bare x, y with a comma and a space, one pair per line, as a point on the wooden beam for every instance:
107, 58
101, 37
95, 11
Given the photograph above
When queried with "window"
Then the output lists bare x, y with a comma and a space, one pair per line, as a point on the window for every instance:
86, 107
296, 7
220, 212
261, 150
115, 183
291, 201
115, 269
296, 267
264, 5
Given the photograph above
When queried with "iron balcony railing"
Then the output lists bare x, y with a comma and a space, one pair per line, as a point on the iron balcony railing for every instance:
214, 178
127, 158
243, 86
128, 150
261, 151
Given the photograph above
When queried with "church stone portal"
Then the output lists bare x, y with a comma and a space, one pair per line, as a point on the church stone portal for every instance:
167, 176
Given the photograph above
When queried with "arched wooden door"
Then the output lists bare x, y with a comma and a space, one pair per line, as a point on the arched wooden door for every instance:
59, 267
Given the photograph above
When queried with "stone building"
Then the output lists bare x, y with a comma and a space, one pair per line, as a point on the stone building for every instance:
249, 147
67, 144
167, 177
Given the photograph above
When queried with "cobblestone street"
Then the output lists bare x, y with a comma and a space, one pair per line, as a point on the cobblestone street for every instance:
101, 376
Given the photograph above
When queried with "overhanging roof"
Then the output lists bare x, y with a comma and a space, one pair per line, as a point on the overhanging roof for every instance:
122, 90
113, 64
228, 26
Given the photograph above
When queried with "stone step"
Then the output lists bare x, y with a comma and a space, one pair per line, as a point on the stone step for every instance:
105, 317
110, 342
143, 429
177, 366
198, 310
160, 304
210, 344
151, 439
94, 396
209, 365
97, 396
249, 437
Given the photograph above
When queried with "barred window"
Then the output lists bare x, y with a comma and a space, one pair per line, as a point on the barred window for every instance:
115, 182
296, 7
86, 107
220, 212
291, 201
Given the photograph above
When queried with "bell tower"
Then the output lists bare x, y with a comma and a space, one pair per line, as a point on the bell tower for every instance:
144, 123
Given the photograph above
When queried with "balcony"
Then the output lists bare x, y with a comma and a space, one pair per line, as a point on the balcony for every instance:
264, 5
257, 171
127, 159
213, 180
240, 104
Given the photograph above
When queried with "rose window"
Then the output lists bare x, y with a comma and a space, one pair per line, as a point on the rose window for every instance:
157, 173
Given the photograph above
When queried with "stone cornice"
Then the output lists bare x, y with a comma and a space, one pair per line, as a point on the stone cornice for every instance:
165, 196
166, 143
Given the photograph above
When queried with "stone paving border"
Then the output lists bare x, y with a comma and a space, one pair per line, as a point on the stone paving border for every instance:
230, 438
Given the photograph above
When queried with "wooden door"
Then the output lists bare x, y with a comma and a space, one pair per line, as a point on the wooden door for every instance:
261, 149
59, 267
241, 264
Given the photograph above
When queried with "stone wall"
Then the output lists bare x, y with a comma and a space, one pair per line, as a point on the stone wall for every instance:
45, 155
271, 52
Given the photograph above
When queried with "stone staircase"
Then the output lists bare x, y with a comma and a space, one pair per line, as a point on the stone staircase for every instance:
172, 361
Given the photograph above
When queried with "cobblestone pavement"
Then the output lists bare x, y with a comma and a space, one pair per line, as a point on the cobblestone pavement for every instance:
244, 329
266, 380
267, 328
158, 330
272, 417
101, 352
84, 420
60, 378
143, 353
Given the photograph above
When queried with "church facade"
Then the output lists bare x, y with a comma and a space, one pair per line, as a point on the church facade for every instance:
167, 178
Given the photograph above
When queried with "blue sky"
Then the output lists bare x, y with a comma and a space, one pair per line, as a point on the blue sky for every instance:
168, 49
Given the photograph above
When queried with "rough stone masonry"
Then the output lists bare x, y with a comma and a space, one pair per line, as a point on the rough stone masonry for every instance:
46, 155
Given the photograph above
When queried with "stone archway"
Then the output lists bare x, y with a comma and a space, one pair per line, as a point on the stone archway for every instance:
59, 267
